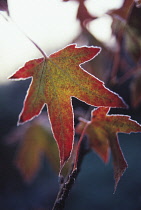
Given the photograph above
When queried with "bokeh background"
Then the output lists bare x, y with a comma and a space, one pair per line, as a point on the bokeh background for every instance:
29, 163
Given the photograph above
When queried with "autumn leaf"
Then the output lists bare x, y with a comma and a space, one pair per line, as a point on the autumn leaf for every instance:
102, 133
36, 143
54, 81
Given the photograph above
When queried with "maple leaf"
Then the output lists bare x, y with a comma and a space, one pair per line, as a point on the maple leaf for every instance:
55, 80
102, 133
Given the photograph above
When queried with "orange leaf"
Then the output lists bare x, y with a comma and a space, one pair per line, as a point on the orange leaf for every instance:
37, 142
102, 133
54, 81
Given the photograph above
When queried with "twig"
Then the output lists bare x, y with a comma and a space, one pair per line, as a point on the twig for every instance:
70, 180
64, 191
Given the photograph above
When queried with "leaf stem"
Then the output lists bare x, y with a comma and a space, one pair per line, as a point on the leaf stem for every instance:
82, 150
78, 146
9, 18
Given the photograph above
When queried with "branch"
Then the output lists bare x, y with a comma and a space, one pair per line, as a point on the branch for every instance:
67, 185
64, 191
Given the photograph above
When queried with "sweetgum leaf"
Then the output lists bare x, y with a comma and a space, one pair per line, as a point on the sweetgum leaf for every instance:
102, 133
54, 81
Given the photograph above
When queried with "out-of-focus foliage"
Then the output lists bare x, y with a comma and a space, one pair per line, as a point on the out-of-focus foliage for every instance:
4, 6
35, 141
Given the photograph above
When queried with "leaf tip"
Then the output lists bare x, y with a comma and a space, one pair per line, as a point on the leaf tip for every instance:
21, 120
118, 175
94, 50
124, 104
12, 77
120, 103
106, 157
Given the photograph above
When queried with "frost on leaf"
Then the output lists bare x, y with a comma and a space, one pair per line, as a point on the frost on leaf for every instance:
57, 78
102, 132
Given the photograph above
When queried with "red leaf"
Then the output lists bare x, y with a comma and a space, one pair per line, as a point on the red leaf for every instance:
102, 132
54, 81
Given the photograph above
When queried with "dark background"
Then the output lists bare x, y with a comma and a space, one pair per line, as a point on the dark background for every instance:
94, 186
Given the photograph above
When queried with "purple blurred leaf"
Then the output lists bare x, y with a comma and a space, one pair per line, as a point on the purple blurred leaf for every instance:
4, 6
